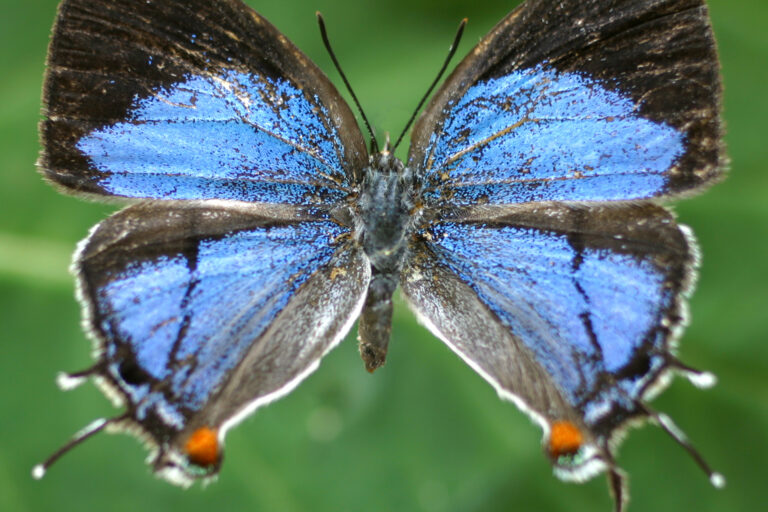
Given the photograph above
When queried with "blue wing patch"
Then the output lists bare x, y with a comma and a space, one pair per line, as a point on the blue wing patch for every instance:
583, 313
540, 135
188, 319
229, 136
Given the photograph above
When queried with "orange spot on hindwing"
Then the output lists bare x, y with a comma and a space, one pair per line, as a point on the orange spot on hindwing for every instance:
202, 447
565, 438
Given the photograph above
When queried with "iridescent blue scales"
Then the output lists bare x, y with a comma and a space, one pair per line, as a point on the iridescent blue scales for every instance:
524, 231
190, 318
272, 144
539, 135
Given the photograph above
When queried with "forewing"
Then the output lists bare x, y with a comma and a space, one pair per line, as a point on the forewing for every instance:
572, 318
201, 314
577, 100
192, 99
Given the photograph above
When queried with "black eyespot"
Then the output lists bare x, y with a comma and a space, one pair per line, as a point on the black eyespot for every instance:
131, 373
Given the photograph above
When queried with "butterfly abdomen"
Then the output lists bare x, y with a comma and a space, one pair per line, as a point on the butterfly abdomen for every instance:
386, 201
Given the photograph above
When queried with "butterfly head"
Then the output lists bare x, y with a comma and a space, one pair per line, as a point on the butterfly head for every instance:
384, 161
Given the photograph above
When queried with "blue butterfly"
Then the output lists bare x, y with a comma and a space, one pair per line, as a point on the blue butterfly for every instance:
525, 229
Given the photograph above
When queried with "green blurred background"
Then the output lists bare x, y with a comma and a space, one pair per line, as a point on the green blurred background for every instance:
424, 433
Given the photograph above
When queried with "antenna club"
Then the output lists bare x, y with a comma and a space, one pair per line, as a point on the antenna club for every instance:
327, 43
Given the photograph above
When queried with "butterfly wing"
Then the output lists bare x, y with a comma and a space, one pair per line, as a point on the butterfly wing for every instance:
571, 318
226, 285
191, 100
577, 101
542, 261
201, 315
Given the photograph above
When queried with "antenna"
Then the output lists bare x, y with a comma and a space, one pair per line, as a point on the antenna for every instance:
324, 35
451, 52
90, 430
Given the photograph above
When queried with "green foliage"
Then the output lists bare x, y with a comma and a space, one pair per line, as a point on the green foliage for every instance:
424, 433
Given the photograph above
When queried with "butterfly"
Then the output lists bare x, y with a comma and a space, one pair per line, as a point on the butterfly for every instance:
525, 229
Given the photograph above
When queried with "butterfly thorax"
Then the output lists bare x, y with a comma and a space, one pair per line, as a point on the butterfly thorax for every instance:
386, 199
385, 205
